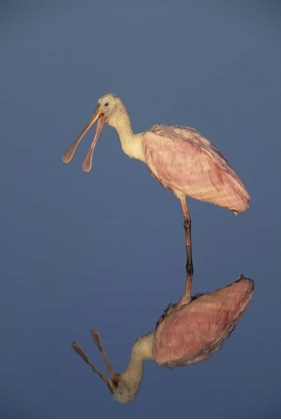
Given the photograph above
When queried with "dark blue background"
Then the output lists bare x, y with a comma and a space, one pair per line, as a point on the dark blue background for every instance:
105, 250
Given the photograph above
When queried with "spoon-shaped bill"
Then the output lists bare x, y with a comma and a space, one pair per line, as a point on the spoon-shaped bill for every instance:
96, 337
69, 153
87, 164
109, 382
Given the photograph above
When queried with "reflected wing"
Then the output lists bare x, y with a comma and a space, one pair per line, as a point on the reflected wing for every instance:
194, 332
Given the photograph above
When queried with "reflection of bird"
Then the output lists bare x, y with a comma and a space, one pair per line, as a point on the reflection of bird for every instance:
187, 333
179, 157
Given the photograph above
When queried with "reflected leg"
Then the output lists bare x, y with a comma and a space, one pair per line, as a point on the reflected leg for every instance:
189, 264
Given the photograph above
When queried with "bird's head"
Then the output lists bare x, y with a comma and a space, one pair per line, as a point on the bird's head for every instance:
106, 110
109, 105
124, 393
119, 388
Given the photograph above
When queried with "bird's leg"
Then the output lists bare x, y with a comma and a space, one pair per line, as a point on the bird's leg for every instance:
189, 265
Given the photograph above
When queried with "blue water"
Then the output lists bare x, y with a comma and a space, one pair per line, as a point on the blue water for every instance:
105, 250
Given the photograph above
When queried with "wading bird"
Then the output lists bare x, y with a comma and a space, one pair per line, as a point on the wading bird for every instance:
179, 157
188, 332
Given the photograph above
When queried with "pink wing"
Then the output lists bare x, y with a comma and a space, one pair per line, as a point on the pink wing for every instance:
194, 332
187, 163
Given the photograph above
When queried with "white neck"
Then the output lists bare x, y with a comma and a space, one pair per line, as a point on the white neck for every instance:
141, 351
131, 143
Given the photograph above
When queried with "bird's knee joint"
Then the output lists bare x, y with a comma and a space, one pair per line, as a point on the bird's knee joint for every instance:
187, 223
189, 269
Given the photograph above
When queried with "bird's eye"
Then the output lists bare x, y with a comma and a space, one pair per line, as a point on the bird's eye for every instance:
106, 104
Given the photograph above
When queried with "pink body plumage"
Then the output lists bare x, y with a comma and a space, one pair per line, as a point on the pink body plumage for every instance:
192, 333
190, 165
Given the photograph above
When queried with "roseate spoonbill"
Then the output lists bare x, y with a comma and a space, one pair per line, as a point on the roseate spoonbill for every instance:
179, 157
187, 333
